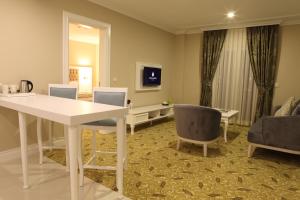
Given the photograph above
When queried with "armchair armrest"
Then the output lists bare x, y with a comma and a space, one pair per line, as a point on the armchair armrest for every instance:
282, 132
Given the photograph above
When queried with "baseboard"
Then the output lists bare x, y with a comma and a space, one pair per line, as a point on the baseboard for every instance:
16, 152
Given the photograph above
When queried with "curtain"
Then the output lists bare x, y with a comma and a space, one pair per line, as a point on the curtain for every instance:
233, 85
212, 45
263, 46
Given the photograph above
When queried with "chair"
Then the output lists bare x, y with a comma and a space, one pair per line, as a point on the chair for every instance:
197, 124
110, 96
63, 91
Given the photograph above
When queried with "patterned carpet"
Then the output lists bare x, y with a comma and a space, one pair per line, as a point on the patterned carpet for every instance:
156, 170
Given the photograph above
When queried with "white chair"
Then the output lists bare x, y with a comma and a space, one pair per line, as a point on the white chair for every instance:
110, 96
63, 91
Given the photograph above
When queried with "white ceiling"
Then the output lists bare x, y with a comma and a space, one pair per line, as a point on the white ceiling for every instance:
180, 16
81, 34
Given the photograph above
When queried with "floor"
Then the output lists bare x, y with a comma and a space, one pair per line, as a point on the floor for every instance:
157, 170
48, 181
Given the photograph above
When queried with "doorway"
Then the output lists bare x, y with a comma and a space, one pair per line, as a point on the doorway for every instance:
86, 53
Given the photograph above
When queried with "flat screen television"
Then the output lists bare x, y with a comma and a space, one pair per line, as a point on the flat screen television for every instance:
151, 76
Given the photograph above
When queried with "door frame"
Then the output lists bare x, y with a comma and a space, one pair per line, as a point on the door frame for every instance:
104, 46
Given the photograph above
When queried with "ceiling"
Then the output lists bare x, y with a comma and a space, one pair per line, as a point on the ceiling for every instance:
182, 16
82, 34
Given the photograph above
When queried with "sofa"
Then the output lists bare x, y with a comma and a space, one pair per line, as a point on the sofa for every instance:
276, 133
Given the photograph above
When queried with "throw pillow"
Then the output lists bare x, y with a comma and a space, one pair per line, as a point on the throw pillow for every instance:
285, 108
296, 108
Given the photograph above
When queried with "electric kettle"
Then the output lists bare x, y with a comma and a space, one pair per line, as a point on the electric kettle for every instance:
26, 86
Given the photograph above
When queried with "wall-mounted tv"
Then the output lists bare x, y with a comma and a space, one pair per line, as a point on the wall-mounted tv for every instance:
151, 76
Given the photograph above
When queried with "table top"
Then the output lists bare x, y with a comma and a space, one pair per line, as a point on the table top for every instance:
61, 110
229, 113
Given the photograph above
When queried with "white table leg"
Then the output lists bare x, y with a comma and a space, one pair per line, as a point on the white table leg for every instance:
132, 129
73, 154
40, 140
120, 150
80, 161
23, 139
125, 147
67, 149
50, 135
225, 129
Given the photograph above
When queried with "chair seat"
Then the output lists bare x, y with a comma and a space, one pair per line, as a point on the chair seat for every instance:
104, 122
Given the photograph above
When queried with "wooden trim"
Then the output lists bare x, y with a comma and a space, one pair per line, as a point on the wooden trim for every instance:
196, 141
104, 62
275, 148
204, 143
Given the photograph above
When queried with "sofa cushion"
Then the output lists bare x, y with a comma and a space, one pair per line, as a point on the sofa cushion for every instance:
296, 109
285, 109
255, 134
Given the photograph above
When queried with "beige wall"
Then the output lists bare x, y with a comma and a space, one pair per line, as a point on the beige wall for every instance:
186, 79
188, 53
81, 50
288, 77
31, 48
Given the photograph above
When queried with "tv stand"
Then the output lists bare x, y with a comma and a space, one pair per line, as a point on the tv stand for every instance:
141, 115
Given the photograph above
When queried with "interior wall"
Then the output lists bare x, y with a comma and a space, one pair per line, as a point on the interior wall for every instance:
186, 81
288, 78
80, 51
31, 48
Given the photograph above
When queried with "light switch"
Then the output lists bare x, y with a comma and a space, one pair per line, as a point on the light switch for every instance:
115, 79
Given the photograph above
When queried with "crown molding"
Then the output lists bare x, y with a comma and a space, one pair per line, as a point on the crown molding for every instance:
283, 21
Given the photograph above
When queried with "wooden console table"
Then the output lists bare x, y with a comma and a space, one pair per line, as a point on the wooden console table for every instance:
146, 114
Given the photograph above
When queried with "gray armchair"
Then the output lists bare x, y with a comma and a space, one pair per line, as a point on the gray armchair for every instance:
196, 124
276, 133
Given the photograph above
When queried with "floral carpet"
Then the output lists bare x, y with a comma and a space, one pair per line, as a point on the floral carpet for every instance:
156, 170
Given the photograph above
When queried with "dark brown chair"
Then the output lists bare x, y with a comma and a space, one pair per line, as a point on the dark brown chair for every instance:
197, 124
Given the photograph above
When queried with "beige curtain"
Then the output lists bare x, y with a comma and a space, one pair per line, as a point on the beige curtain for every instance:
234, 86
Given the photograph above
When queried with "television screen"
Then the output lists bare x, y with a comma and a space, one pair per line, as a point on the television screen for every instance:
151, 76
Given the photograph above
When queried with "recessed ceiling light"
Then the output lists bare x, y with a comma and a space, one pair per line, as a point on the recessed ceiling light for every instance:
84, 26
230, 14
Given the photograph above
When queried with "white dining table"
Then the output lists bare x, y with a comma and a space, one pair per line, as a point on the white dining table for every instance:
71, 113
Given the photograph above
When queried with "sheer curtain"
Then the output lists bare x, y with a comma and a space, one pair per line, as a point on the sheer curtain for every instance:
233, 85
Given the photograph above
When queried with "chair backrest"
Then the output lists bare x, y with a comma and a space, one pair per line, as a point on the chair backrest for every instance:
197, 122
110, 96
63, 91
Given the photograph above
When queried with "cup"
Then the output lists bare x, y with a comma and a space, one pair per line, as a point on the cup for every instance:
5, 89
13, 89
